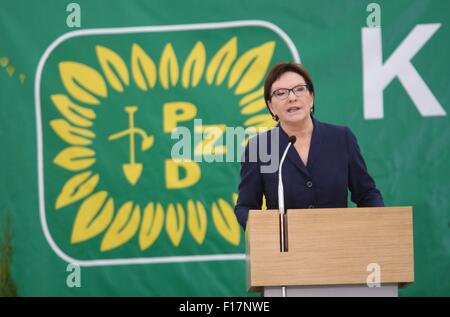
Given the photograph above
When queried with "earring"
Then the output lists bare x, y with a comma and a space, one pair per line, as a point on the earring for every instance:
275, 117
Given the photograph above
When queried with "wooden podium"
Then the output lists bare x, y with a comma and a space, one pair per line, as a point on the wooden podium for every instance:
331, 252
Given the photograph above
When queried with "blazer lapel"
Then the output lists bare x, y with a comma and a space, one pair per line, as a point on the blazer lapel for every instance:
316, 141
292, 154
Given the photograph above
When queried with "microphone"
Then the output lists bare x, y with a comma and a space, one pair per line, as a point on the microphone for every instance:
292, 140
283, 227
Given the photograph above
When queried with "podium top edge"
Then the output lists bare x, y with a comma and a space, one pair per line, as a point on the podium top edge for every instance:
335, 209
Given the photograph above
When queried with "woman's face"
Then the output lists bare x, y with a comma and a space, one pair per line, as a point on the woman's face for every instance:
295, 107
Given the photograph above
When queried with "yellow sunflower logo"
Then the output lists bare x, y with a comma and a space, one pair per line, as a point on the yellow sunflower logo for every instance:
109, 175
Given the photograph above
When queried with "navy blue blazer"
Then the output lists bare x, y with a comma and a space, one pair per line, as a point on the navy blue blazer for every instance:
335, 164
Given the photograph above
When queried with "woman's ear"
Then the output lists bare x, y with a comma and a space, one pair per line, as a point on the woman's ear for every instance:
269, 104
312, 96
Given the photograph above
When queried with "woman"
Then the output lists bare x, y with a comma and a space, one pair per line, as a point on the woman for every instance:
322, 164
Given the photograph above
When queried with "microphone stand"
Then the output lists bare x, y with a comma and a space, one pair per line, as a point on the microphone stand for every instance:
283, 233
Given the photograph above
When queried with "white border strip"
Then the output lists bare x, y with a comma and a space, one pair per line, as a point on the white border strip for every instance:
126, 30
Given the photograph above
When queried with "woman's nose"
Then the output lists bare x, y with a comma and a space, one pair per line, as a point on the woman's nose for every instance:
292, 96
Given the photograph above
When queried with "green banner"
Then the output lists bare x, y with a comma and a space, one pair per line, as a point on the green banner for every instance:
97, 96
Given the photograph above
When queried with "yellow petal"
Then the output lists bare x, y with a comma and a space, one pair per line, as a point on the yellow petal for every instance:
123, 227
254, 107
175, 221
76, 188
195, 63
225, 221
143, 68
197, 221
93, 217
75, 158
82, 82
260, 121
221, 62
151, 227
74, 113
113, 64
251, 68
252, 96
168, 67
71, 134
235, 198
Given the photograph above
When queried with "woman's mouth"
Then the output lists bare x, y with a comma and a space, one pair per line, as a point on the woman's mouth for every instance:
294, 109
